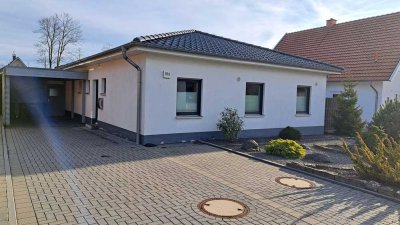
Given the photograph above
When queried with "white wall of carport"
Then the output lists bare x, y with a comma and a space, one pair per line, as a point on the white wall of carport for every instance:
77, 97
120, 99
221, 89
366, 95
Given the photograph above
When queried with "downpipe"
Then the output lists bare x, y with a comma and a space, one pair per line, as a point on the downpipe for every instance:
139, 94
376, 96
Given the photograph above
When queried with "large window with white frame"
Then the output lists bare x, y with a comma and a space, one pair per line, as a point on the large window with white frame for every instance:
188, 97
254, 98
303, 100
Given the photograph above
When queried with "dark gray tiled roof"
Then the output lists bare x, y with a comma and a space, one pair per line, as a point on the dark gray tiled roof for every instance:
197, 42
201, 43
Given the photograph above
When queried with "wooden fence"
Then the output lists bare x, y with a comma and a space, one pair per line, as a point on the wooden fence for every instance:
330, 112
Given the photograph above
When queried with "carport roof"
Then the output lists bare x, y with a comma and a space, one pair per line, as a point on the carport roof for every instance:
44, 73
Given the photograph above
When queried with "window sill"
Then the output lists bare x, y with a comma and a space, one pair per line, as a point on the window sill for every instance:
302, 115
254, 115
182, 117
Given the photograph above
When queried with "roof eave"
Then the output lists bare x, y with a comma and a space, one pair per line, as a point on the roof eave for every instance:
153, 49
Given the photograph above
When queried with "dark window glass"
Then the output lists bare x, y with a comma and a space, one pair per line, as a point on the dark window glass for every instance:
188, 98
254, 98
303, 100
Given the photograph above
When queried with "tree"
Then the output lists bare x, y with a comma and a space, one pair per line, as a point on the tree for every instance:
58, 35
348, 120
388, 117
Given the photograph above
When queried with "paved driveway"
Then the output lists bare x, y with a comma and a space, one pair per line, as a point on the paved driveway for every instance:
71, 175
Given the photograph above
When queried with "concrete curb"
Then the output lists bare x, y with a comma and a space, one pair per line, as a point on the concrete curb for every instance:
12, 214
301, 171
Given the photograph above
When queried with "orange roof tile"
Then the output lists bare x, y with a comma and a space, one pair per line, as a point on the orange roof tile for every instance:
368, 49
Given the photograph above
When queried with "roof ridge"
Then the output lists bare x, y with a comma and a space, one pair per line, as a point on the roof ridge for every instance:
161, 35
339, 24
268, 49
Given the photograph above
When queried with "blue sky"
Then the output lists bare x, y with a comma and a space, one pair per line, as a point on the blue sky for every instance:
112, 23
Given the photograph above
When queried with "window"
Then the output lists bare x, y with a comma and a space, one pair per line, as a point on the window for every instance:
103, 86
188, 98
254, 98
87, 86
79, 86
303, 100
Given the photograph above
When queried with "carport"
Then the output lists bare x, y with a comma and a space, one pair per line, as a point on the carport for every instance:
35, 93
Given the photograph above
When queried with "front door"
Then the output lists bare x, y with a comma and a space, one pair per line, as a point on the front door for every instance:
95, 100
56, 100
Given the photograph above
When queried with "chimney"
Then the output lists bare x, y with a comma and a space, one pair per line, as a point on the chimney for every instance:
14, 56
331, 22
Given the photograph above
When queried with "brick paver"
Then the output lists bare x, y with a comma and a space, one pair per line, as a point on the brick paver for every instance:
60, 177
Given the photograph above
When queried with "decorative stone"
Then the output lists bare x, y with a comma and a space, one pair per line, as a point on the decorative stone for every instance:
372, 185
318, 157
397, 194
386, 190
250, 145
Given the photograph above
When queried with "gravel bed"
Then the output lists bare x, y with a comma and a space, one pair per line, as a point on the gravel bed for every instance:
338, 159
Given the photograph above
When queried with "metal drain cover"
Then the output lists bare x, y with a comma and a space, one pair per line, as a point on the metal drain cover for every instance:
295, 182
223, 208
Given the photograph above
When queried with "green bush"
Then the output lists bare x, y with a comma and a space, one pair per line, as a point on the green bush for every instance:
388, 117
290, 133
348, 120
372, 137
382, 165
285, 148
230, 124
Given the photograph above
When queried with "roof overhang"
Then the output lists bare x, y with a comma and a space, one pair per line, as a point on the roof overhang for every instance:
229, 60
116, 52
44, 73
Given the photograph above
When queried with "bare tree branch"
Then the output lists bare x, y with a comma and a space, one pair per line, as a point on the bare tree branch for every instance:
57, 34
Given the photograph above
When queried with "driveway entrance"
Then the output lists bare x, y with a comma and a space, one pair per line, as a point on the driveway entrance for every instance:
67, 174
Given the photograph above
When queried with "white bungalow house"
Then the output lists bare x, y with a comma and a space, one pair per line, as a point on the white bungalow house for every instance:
171, 87
368, 50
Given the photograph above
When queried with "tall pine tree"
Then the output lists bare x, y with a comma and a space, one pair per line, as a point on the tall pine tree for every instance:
347, 120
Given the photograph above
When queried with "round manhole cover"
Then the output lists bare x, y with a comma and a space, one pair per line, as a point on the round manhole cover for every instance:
223, 208
295, 182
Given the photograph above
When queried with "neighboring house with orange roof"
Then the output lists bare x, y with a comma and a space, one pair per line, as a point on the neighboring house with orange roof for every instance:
368, 49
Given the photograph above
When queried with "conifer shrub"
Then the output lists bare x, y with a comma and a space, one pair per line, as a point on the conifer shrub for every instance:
285, 148
290, 133
388, 117
348, 120
383, 165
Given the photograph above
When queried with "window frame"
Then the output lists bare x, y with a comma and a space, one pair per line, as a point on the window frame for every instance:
103, 86
260, 100
87, 87
308, 100
199, 98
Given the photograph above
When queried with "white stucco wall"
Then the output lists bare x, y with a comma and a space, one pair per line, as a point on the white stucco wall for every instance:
120, 98
220, 88
391, 89
366, 95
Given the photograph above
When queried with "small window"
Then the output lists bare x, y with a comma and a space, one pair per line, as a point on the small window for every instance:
87, 86
303, 100
188, 98
80, 86
103, 86
53, 92
254, 98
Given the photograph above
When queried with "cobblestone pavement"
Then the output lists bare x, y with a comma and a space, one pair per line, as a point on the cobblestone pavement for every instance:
71, 175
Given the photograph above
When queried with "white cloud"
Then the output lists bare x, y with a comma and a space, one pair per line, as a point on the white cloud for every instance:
257, 22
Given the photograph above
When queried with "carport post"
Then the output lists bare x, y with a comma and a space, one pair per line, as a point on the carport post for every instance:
83, 99
73, 99
6, 99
